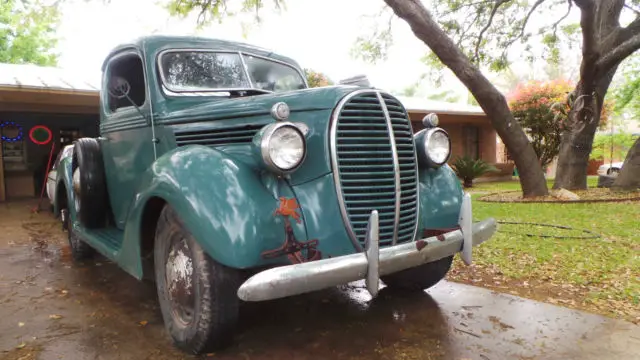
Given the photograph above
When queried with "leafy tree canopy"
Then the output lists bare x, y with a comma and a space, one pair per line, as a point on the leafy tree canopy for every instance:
542, 110
493, 33
27, 32
627, 91
612, 147
209, 10
317, 79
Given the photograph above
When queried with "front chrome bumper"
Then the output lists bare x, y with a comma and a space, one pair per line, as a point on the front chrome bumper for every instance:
374, 262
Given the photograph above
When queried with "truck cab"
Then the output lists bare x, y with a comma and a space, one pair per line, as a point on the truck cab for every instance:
219, 174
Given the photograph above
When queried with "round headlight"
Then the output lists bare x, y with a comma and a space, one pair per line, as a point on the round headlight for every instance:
437, 146
283, 147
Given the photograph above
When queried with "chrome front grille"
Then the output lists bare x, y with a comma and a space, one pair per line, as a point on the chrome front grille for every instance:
374, 165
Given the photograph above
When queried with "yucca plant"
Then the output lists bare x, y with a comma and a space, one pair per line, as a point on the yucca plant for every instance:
468, 168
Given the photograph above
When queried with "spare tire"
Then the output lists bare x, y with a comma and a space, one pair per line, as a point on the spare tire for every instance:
89, 185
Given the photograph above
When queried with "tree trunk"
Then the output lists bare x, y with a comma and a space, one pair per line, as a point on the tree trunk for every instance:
629, 177
575, 148
490, 99
577, 141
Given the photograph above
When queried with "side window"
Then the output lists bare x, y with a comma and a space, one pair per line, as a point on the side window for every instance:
128, 67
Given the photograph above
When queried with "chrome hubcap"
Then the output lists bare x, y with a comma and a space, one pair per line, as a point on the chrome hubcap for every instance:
76, 189
179, 281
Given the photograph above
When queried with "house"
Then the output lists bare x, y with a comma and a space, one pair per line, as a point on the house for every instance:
469, 129
34, 101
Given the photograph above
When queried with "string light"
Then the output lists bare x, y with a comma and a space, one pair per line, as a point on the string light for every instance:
11, 124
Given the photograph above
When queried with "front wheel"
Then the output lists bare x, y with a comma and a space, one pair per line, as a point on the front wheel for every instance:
80, 250
420, 277
197, 295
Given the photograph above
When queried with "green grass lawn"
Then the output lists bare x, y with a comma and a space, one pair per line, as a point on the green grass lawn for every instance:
600, 275
592, 181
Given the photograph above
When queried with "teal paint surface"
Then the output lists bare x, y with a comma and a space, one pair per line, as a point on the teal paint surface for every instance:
223, 203
323, 219
440, 198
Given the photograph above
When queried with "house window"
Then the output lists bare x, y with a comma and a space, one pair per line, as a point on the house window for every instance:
14, 153
471, 139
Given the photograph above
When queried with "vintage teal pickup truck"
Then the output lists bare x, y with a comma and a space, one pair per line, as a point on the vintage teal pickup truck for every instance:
219, 174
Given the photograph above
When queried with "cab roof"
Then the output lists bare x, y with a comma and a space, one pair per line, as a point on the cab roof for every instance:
153, 44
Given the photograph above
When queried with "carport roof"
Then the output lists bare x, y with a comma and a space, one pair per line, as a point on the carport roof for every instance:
416, 104
33, 77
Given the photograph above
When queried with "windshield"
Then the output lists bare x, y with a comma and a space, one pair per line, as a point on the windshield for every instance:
203, 71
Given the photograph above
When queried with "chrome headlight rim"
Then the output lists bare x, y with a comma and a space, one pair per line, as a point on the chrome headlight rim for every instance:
265, 141
427, 137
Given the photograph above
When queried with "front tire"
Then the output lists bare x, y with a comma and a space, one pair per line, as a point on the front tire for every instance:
197, 295
80, 250
420, 277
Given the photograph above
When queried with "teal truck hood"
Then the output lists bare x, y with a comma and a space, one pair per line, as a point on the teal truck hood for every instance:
229, 124
188, 109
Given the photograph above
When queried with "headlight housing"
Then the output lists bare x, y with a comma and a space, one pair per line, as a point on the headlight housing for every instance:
281, 146
434, 146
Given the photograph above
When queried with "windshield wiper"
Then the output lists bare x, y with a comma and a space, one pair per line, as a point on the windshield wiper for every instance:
248, 91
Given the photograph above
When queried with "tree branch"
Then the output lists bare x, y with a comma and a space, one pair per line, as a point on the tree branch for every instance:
476, 57
465, 31
526, 18
632, 9
555, 25
618, 54
632, 29
589, 40
462, 6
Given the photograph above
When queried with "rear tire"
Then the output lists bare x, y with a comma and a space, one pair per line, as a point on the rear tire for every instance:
89, 185
197, 295
420, 277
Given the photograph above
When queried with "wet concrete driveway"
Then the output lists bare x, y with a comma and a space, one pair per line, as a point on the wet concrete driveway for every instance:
51, 308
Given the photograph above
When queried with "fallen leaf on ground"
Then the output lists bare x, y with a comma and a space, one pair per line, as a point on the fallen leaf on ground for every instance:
55, 317
143, 322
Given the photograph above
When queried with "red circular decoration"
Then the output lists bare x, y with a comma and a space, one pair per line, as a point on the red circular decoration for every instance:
40, 142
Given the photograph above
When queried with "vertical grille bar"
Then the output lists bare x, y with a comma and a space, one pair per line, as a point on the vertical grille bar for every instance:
407, 158
396, 167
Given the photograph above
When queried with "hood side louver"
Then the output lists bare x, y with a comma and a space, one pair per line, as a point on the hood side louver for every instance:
233, 135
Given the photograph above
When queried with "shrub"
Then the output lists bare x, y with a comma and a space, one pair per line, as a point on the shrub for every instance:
542, 110
468, 169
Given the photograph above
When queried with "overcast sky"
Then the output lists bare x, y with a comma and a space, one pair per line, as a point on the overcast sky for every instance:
318, 34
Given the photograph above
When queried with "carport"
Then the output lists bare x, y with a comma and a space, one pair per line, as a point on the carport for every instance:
36, 97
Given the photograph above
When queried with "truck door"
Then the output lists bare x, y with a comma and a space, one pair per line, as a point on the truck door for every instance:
126, 138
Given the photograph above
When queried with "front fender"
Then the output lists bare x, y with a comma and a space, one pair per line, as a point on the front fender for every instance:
221, 201
440, 198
